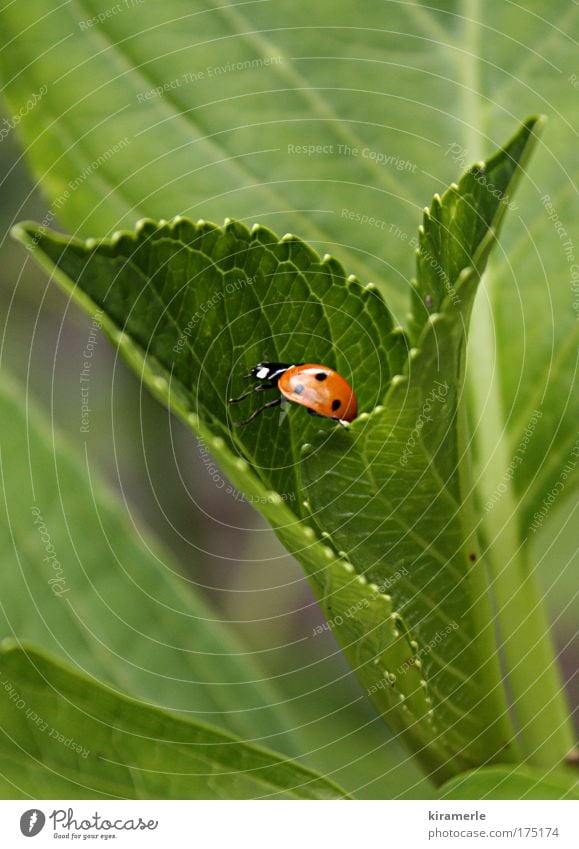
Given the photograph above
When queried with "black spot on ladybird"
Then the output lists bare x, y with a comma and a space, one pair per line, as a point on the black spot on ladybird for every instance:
299, 388
336, 404
321, 375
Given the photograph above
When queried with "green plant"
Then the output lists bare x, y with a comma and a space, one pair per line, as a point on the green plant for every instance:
412, 546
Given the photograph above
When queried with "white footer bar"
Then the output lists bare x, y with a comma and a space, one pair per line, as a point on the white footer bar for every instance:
289, 825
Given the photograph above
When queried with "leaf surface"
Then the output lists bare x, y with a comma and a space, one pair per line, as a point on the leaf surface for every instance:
237, 110
79, 581
383, 504
205, 304
511, 783
65, 735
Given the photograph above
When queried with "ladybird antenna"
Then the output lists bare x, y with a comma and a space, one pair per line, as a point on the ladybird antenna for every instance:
241, 397
261, 387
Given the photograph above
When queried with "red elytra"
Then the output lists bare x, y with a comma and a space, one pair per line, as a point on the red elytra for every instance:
320, 389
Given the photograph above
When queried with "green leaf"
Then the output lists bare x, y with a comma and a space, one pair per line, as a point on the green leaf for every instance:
458, 233
78, 580
65, 735
206, 303
390, 500
191, 306
243, 114
459, 229
425, 88
511, 783
394, 495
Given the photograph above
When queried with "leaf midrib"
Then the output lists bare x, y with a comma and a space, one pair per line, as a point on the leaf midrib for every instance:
84, 708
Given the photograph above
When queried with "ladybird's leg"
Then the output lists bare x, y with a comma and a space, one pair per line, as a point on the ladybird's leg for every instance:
322, 416
331, 418
275, 403
261, 387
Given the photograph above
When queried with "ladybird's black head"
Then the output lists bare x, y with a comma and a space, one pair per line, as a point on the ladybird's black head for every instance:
268, 371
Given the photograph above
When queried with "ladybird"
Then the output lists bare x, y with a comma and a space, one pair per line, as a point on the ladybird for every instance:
320, 389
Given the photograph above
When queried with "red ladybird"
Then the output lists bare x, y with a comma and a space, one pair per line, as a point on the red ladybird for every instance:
320, 389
